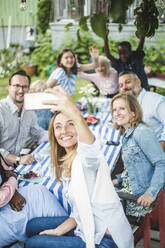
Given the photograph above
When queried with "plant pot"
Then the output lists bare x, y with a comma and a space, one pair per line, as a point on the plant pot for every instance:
29, 69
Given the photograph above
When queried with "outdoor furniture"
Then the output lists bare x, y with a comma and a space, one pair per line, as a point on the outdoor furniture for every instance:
155, 220
156, 79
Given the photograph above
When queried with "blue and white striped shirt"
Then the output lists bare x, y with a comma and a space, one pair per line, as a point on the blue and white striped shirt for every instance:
68, 83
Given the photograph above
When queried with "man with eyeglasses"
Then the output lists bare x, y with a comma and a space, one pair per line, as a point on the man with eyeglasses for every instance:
16, 123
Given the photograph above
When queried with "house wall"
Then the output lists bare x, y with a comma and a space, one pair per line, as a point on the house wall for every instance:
10, 12
57, 31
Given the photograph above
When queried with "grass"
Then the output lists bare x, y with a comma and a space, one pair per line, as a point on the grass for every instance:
75, 96
3, 87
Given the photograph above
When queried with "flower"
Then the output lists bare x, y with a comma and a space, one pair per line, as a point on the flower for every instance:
88, 91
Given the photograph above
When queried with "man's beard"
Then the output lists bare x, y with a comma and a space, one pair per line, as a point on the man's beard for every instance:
19, 101
135, 91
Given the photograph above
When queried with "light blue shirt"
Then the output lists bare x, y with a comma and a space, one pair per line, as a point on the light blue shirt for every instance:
68, 83
39, 203
15, 130
153, 107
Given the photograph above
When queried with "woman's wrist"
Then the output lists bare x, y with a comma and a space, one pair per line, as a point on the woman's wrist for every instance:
57, 232
96, 62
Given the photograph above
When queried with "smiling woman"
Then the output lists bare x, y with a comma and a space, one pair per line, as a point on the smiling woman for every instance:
79, 165
66, 70
144, 171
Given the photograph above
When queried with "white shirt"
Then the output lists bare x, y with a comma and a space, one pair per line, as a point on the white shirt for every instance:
106, 214
153, 107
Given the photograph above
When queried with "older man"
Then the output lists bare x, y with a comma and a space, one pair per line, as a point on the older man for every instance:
152, 104
17, 124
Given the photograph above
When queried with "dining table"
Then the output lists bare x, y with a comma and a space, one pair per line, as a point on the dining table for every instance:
110, 144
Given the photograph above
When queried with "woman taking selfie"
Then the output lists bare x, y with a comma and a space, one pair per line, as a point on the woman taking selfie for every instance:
97, 218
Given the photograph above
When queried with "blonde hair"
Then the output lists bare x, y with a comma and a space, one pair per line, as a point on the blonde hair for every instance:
104, 61
133, 106
60, 160
38, 85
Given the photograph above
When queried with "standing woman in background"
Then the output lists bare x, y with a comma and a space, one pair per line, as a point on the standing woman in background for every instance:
67, 67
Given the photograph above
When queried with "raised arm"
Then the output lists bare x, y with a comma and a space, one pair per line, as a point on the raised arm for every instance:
63, 100
95, 56
107, 50
141, 43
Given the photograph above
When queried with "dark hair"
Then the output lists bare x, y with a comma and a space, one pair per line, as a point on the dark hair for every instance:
134, 75
2, 170
125, 44
22, 73
65, 50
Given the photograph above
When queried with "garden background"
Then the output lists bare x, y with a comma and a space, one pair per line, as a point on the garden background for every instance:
44, 55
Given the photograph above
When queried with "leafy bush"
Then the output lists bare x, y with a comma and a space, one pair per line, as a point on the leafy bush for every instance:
44, 54
44, 15
8, 62
155, 57
81, 45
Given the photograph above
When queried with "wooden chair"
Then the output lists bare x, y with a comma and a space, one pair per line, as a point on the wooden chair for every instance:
154, 220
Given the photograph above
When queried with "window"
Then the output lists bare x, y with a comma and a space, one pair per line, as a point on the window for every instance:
67, 9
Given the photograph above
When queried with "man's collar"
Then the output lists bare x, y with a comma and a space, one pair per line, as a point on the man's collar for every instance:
141, 95
12, 105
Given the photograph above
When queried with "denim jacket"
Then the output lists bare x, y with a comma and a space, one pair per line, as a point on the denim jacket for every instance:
144, 160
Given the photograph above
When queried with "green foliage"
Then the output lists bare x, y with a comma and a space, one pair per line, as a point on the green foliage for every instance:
44, 15
146, 18
98, 24
118, 10
3, 87
44, 54
115, 10
8, 61
155, 57
81, 45
83, 23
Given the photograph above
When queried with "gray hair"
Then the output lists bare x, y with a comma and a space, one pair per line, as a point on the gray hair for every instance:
132, 74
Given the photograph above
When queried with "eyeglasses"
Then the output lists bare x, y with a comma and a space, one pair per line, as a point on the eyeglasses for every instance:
18, 86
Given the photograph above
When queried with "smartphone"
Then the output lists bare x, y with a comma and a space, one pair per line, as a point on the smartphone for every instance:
34, 101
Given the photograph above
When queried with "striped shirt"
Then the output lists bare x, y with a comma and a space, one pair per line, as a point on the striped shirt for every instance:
68, 83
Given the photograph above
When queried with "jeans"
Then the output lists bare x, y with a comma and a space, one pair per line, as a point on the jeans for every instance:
69, 240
